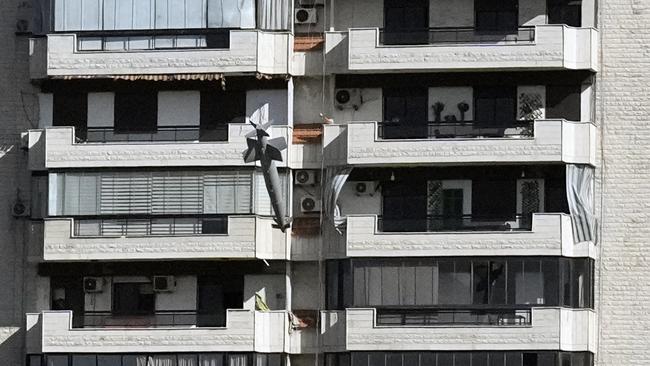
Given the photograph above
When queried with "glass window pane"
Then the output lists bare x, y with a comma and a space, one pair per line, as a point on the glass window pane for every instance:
211, 359
428, 359
407, 283
445, 282
497, 283
480, 359
445, 359
424, 284
134, 360
462, 359
238, 359
411, 359
360, 294
513, 359
84, 360
34, 360
551, 282
56, 360
462, 282
376, 359
360, 359
109, 360
497, 359
393, 359
188, 360
481, 283
390, 284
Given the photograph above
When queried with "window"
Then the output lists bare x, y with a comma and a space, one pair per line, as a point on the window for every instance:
495, 106
463, 281
109, 360
217, 110
406, 22
71, 109
133, 299
84, 360
567, 12
496, 15
56, 360
136, 112
405, 113
563, 102
156, 193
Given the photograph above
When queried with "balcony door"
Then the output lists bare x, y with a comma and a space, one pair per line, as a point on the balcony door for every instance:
496, 16
405, 206
406, 22
71, 109
495, 107
405, 113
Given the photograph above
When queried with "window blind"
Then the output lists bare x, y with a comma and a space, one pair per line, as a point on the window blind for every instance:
154, 193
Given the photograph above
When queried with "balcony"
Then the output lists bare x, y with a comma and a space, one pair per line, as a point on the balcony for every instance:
549, 234
112, 54
245, 331
244, 237
540, 47
550, 141
529, 329
59, 147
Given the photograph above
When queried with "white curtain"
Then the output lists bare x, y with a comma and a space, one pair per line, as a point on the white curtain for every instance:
237, 360
580, 196
273, 14
162, 360
215, 359
334, 181
187, 360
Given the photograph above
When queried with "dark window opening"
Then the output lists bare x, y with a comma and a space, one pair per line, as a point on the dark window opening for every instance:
496, 15
218, 108
71, 109
405, 113
133, 299
567, 12
215, 295
406, 22
404, 206
563, 102
495, 106
136, 112
460, 358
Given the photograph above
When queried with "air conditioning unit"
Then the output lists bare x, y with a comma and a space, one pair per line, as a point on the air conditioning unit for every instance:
164, 283
305, 16
365, 188
305, 177
19, 209
348, 99
309, 205
93, 284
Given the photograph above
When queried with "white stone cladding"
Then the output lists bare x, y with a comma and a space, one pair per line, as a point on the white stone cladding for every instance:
623, 107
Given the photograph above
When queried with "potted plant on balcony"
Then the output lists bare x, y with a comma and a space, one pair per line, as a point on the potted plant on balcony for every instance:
463, 108
438, 107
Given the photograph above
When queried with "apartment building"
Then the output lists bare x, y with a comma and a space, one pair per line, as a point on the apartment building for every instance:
465, 182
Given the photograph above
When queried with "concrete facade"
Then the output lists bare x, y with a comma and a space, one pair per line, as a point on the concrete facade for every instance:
610, 136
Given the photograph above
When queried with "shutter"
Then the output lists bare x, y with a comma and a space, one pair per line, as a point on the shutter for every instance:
225, 189
71, 194
177, 193
243, 195
125, 194
88, 194
262, 200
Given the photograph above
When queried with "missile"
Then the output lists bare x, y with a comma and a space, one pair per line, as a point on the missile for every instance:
267, 152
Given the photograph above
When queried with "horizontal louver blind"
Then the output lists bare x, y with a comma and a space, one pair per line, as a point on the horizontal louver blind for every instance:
177, 193
125, 194
228, 192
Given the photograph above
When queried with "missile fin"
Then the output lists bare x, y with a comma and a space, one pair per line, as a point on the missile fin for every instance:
250, 155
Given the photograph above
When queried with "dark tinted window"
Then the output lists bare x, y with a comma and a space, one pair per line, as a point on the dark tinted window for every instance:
563, 102
136, 112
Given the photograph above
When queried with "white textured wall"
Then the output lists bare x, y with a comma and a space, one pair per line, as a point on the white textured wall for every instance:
624, 182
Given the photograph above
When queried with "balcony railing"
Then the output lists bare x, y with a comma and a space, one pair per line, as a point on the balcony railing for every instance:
104, 319
150, 226
465, 129
460, 35
453, 316
152, 39
441, 223
160, 134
